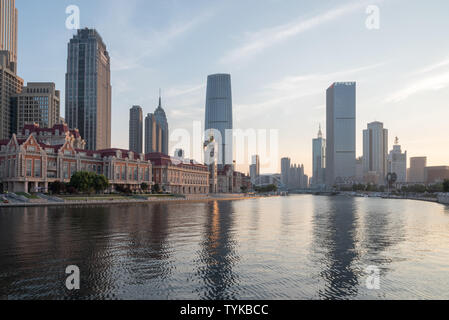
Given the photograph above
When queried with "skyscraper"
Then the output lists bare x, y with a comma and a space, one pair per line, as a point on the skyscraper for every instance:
417, 170
219, 115
319, 159
8, 31
88, 89
285, 171
375, 151
340, 133
39, 102
254, 169
10, 83
135, 129
156, 131
397, 162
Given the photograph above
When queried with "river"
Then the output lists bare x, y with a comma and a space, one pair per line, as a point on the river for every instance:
296, 247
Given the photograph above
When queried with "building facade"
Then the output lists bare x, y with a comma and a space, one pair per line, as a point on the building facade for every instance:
30, 162
397, 163
375, 151
319, 159
88, 89
10, 85
39, 102
416, 173
285, 171
340, 133
8, 31
219, 120
136, 129
436, 174
179, 176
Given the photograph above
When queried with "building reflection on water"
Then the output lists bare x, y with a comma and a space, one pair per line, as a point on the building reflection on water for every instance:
335, 243
217, 256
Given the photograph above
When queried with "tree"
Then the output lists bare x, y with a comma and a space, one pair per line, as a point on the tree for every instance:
144, 187
446, 185
100, 183
57, 187
244, 189
156, 188
83, 181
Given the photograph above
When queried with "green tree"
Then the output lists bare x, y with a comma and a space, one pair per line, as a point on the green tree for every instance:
144, 186
83, 181
446, 185
100, 183
57, 187
156, 188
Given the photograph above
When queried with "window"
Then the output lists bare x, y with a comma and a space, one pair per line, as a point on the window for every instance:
66, 170
29, 167
37, 168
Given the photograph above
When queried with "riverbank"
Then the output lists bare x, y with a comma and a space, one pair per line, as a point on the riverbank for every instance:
437, 198
121, 201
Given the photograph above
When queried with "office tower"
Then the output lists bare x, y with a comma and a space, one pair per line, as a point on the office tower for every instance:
10, 85
285, 171
359, 174
340, 133
156, 131
319, 159
254, 169
219, 115
161, 119
88, 89
39, 102
136, 129
375, 151
417, 170
397, 162
8, 31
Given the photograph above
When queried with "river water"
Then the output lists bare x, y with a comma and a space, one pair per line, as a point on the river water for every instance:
297, 247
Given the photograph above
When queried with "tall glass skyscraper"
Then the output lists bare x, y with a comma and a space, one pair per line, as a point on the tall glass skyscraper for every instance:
375, 150
156, 131
88, 89
8, 30
340, 133
135, 129
219, 114
319, 159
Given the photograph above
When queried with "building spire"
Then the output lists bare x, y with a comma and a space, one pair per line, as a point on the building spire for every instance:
320, 133
160, 98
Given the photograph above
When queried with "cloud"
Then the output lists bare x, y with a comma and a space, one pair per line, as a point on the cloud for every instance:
431, 83
263, 39
437, 78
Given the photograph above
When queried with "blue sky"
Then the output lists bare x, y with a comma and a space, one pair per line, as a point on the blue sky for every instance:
282, 55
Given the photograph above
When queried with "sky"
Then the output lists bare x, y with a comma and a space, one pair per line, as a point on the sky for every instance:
282, 56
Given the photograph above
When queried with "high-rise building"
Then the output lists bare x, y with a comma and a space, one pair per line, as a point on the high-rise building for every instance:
8, 31
88, 89
375, 151
136, 129
397, 162
219, 115
39, 102
10, 85
254, 169
285, 171
436, 174
319, 159
340, 133
416, 172
161, 119
156, 131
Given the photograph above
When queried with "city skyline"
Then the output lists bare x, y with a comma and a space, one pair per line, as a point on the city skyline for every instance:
391, 86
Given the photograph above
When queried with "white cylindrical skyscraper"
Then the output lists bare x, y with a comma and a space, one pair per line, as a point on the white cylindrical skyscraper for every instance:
219, 115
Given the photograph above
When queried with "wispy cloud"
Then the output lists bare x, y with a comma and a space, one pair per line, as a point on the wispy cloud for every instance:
258, 41
437, 78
